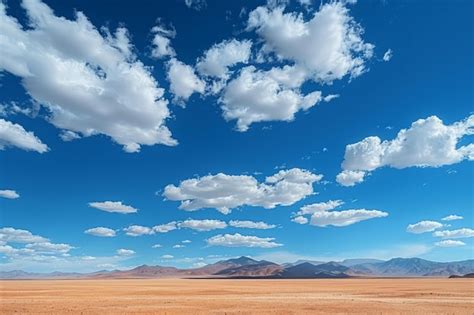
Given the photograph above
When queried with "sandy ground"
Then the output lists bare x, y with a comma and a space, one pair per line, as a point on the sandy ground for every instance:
191, 296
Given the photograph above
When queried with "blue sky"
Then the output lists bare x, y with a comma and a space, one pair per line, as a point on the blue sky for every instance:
141, 121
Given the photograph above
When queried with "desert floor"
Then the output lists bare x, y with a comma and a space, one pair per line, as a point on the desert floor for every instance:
192, 296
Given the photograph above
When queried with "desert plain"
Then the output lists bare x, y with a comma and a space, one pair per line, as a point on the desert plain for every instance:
229, 296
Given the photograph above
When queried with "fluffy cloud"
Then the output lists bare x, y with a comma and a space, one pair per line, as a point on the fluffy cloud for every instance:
113, 206
251, 225
460, 233
49, 248
9, 194
161, 44
452, 217
256, 96
125, 252
345, 217
14, 135
350, 178
328, 46
217, 60
196, 4
101, 231
178, 246
89, 81
238, 240
427, 143
157, 246
224, 192
183, 80
203, 225
300, 220
138, 230
450, 243
321, 214
167, 257
423, 227
12, 235
165, 228
321, 206
388, 55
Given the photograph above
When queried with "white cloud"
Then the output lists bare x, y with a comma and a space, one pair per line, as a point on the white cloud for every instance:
49, 248
196, 4
345, 217
186, 242
321, 206
350, 178
388, 55
178, 246
300, 220
89, 81
255, 96
157, 246
138, 230
161, 44
459, 233
113, 206
14, 135
165, 228
450, 243
217, 60
125, 252
167, 257
203, 225
183, 81
238, 240
224, 192
290, 37
251, 225
452, 217
9, 194
101, 231
423, 227
427, 143
12, 235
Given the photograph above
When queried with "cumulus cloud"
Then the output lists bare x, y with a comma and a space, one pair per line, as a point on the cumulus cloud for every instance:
256, 96
14, 135
350, 178
322, 214
459, 233
452, 217
100, 231
203, 225
113, 206
89, 81
388, 55
300, 220
161, 44
217, 60
251, 225
225, 192
423, 227
12, 235
196, 4
427, 143
138, 230
183, 80
238, 240
49, 248
328, 45
450, 243
125, 252
9, 194
165, 228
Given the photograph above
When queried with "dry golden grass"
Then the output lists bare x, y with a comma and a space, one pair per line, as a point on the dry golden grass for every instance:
190, 296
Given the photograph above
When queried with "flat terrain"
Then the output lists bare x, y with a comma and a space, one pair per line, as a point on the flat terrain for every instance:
189, 296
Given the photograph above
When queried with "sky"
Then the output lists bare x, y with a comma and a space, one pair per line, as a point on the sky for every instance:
185, 132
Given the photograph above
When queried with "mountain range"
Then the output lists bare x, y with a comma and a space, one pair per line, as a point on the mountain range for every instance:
246, 267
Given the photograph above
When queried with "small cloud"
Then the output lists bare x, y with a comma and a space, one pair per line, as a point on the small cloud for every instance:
157, 246
423, 227
113, 206
167, 257
452, 217
388, 55
101, 232
9, 194
450, 243
178, 246
125, 252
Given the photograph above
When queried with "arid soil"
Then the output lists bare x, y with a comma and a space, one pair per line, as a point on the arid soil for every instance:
192, 296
